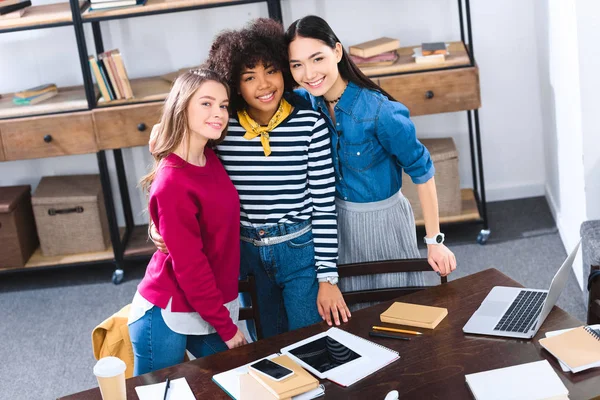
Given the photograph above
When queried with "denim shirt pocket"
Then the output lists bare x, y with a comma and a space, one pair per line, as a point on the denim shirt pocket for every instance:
358, 156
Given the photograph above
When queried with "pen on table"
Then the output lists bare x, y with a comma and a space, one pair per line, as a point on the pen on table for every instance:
168, 383
385, 335
383, 328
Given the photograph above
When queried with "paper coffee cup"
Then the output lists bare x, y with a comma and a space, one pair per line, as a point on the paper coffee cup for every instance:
110, 372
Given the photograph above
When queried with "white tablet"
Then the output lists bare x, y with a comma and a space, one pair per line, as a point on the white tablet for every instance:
322, 354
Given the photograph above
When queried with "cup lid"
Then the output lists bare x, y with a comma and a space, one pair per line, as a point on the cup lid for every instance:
109, 366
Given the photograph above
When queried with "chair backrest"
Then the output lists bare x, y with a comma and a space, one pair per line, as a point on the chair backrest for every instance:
593, 316
382, 267
248, 285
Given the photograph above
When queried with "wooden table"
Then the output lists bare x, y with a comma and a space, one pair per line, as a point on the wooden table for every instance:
430, 367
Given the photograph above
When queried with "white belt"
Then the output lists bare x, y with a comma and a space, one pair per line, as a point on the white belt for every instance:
277, 239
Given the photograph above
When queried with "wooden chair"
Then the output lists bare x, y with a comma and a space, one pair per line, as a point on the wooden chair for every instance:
593, 316
248, 285
382, 267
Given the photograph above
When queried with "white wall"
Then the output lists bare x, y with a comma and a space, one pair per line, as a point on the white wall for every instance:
505, 48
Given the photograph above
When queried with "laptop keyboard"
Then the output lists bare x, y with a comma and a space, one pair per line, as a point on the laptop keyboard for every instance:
522, 313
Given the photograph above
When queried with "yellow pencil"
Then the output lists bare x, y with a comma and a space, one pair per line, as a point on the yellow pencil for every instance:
383, 328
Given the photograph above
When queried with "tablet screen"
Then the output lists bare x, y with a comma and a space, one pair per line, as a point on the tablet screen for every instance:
324, 354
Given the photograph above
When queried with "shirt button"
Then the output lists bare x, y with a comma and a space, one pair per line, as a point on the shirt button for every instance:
261, 232
358, 153
341, 178
338, 124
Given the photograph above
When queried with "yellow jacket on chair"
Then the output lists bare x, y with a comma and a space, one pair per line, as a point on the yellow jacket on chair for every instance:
111, 338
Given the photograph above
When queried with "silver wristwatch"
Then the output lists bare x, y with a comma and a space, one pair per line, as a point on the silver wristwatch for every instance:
331, 279
437, 239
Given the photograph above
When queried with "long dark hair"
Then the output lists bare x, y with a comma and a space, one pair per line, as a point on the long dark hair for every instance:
314, 27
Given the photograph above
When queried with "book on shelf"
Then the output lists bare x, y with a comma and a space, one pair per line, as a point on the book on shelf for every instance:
35, 91
379, 60
428, 49
9, 6
374, 47
111, 76
116, 4
13, 14
34, 99
433, 56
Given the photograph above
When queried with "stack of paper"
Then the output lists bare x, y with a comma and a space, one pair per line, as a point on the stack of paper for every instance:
532, 381
300, 382
178, 389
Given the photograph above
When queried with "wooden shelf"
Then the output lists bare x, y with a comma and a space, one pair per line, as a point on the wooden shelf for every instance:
469, 212
458, 57
144, 90
68, 99
40, 17
138, 244
38, 260
159, 6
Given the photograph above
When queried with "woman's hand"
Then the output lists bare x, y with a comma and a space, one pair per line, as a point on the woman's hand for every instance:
441, 259
330, 301
152, 140
157, 239
238, 340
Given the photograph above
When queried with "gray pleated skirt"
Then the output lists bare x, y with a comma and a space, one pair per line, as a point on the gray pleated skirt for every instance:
382, 230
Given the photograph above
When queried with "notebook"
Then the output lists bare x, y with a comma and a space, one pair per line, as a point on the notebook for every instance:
230, 380
340, 356
578, 348
532, 381
414, 315
250, 389
178, 389
300, 382
564, 366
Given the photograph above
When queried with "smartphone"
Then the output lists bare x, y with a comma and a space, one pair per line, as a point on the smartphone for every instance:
272, 370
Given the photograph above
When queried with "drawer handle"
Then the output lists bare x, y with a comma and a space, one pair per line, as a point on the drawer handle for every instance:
48, 138
429, 94
141, 127
54, 211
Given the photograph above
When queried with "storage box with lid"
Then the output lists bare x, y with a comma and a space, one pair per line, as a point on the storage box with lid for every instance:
70, 215
445, 159
18, 236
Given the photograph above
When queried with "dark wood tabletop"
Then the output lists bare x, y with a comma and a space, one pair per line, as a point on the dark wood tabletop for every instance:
432, 366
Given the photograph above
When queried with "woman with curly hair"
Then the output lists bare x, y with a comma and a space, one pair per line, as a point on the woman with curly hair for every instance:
278, 155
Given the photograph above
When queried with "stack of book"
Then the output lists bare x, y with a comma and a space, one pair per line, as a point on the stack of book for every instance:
111, 76
13, 8
576, 349
431, 53
35, 95
375, 53
104, 5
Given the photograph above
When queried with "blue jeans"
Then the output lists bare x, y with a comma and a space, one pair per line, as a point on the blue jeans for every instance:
155, 346
286, 278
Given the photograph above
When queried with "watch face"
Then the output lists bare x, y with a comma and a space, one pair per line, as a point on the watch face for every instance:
439, 238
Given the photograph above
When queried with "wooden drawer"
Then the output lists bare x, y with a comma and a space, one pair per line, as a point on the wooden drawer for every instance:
435, 92
127, 126
48, 136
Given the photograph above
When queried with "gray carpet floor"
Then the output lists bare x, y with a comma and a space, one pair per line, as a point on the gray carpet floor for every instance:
46, 316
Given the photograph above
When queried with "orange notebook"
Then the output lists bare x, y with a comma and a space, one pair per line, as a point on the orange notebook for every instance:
296, 384
579, 348
414, 315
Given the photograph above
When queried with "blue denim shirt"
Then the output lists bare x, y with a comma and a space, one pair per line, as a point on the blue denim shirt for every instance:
373, 140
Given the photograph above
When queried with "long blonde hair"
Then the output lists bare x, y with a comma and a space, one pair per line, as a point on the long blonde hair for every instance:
173, 127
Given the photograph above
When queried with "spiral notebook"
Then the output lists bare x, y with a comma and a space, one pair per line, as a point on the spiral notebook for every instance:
340, 356
579, 348
564, 366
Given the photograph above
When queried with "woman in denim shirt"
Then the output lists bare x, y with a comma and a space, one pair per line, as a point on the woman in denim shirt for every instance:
373, 141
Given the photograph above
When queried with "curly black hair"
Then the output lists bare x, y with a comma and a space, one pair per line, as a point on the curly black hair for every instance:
261, 41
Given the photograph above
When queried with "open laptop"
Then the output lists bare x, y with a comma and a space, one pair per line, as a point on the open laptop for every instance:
518, 312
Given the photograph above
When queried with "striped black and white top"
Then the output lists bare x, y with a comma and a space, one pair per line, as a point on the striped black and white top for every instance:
294, 184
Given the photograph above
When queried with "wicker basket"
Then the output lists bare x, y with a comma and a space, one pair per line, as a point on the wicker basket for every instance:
70, 215
445, 158
17, 226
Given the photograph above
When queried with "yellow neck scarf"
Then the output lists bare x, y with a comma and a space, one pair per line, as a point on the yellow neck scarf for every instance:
253, 129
